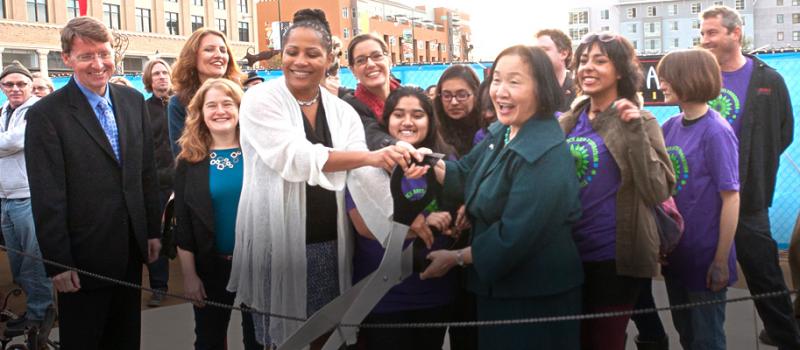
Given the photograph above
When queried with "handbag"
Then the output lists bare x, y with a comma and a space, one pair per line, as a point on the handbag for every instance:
670, 225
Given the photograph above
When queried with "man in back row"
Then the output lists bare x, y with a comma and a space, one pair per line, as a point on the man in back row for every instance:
755, 101
94, 192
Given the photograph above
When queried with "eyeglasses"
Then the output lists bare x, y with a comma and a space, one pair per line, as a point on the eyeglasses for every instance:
41, 88
376, 56
460, 95
602, 36
88, 57
10, 84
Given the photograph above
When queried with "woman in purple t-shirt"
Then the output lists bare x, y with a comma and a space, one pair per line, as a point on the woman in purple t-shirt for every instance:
408, 114
624, 170
704, 152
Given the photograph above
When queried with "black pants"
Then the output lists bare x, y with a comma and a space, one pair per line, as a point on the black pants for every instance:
649, 325
757, 253
464, 310
211, 323
103, 318
407, 338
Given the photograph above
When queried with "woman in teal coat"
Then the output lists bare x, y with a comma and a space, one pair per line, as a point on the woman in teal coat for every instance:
521, 198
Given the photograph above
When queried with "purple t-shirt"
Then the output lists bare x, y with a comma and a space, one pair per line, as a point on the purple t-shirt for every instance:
705, 157
730, 103
413, 293
595, 233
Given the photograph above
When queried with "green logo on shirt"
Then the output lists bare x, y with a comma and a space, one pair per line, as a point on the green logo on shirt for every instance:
681, 167
727, 104
587, 159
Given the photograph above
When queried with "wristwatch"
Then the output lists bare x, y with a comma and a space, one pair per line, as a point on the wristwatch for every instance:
460, 257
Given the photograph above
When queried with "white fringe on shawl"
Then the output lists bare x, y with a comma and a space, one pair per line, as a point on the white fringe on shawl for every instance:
270, 227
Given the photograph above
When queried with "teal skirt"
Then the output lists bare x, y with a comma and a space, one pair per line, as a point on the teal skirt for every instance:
564, 335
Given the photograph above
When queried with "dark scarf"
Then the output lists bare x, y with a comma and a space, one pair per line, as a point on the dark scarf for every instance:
375, 103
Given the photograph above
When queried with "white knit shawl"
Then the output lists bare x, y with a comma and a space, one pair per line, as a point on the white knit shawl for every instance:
271, 222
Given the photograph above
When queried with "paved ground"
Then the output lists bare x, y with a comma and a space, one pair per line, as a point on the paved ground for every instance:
171, 326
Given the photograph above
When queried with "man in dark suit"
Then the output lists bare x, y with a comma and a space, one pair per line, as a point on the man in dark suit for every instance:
94, 192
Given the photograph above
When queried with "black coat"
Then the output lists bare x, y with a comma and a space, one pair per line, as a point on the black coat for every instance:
194, 213
377, 136
86, 206
165, 163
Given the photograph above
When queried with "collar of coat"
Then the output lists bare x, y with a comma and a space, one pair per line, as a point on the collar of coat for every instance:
537, 136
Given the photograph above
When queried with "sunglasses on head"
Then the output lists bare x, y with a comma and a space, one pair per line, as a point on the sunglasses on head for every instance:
602, 37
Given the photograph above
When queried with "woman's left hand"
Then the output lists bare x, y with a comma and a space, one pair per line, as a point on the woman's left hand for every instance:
441, 263
718, 276
627, 110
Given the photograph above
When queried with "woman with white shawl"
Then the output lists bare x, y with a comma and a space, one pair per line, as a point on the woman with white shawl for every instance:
302, 146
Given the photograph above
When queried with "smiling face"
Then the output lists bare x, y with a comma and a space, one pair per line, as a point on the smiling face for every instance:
408, 121
212, 57
92, 63
454, 108
717, 39
304, 62
220, 112
370, 67
18, 88
513, 90
596, 74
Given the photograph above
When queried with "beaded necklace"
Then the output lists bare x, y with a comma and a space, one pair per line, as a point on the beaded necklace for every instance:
508, 135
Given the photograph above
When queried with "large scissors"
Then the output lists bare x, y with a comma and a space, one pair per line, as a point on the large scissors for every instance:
397, 264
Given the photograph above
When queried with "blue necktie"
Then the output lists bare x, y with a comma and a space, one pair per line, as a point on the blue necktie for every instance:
106, 118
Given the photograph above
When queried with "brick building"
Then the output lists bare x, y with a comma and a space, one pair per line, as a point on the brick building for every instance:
30, 28
413, 34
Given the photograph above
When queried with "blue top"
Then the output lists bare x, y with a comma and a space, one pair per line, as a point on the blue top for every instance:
176, 117
94, 98
225, 173
109, 129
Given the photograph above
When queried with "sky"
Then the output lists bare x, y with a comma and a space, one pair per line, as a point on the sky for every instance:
497, 24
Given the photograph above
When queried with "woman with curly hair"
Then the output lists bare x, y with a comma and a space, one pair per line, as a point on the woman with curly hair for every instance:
205, 55
208, 181
457, 107
624, 171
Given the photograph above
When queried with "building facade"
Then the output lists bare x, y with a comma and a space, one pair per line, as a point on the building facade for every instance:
413, 34
659, 26
777, 24
145, 28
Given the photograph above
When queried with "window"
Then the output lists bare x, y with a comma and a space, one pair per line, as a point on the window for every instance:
576, 34
635, 44
695, 8
111, 15
197, 22
673, 25
780, 36
143, 20
244, 31
222, 25
72, 9
197, 2
778, 2
220, 4
344, 12
243, 6
604, 14
796, 35
676, 43
651, 11
718, 3
632, 27
605, 28
795, 2
653, 28
579, 17
37, 11
695, 24
632, 12
653, 45
172, 23
795, 18
175, 1
346, 33
696, 41
779, 18
673, 9
739, 4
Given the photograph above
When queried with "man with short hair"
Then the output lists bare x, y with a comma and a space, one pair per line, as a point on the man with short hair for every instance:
94, 192
156, 79
15, 198
755, 101
558, 47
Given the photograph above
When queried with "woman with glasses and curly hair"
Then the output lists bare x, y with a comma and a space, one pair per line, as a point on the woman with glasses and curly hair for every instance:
206, 54
208, 181
457, 106
624, 171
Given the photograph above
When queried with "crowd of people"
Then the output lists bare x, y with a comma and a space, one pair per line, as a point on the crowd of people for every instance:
552, 178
